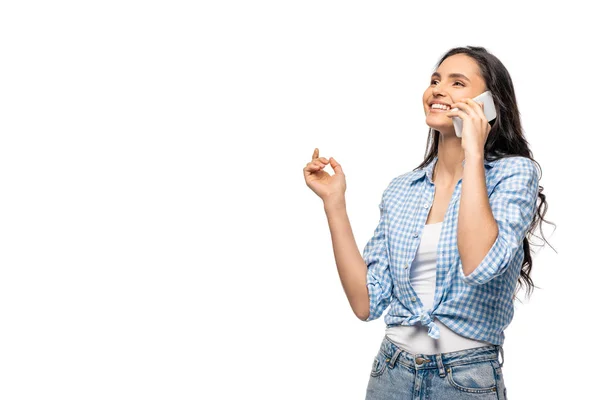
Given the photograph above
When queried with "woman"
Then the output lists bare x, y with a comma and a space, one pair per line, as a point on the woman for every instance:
450, 245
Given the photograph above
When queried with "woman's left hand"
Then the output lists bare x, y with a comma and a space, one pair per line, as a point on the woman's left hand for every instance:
475, 125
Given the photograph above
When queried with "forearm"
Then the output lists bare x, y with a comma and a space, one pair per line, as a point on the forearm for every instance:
350, 264
477, 229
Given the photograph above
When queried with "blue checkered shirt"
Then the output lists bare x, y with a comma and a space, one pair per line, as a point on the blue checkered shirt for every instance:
479, 305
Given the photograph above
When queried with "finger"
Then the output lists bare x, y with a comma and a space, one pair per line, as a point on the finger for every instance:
461, 105
324, 160
318, 162
315, 164
311, 169
337, 168
478, 108
457, 113
315, 153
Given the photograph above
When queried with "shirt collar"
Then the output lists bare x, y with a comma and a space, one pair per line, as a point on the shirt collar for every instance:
427, 170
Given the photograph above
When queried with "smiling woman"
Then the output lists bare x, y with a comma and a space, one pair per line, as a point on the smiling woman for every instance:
451, 243
448, 86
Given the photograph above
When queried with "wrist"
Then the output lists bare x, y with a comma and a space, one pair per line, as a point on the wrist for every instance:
334, 202
474, 157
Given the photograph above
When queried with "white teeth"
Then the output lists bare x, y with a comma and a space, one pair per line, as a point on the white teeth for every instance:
440, 106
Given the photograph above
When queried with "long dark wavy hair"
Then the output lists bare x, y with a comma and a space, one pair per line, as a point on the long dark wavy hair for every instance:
505, 139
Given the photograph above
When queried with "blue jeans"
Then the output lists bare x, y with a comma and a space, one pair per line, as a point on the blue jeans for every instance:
459, 375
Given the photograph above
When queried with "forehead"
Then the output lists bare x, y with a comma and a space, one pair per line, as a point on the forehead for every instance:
459, 63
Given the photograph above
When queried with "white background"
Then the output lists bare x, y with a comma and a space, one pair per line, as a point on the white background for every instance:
157, 238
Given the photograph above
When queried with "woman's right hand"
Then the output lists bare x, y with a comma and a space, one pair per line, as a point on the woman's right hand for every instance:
326, 186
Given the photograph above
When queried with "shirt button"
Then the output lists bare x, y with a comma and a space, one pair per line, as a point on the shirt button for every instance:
413, 298
405, 266
426, 205
416, 234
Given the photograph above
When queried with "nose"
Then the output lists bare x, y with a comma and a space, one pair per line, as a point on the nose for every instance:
437, 90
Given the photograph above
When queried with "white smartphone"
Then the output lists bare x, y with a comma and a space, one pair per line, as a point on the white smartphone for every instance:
489, 110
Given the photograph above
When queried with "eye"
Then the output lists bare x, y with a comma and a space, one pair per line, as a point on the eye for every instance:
457, 82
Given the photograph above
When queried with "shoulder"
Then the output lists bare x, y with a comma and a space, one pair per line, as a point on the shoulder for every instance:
515, 165
515, 168
400, 183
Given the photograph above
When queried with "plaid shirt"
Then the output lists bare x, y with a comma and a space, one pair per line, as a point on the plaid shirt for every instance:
479, 305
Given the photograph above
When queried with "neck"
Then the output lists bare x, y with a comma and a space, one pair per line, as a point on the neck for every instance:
448, 168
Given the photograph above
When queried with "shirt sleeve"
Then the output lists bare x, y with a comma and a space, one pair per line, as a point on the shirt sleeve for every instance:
379, 280
513, 203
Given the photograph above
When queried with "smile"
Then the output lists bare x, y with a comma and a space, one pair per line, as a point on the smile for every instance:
439, 107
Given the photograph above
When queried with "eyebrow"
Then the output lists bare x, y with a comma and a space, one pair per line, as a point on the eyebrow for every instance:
453, 75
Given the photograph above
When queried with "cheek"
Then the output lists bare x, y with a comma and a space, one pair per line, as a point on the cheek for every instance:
426, 96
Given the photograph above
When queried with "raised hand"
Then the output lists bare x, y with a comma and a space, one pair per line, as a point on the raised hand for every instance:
319, 181
475, 125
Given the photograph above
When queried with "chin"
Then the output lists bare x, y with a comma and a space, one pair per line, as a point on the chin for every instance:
441, 127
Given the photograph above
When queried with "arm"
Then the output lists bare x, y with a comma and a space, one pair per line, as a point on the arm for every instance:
350, 264
490, 231
379, 279
477, 229
366, 278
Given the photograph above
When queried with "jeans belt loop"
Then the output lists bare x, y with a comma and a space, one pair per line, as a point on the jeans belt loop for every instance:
394, 358
440, 364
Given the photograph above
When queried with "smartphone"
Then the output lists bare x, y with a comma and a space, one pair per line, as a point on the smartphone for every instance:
489, 110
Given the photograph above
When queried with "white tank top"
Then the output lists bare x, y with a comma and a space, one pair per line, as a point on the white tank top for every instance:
415, 339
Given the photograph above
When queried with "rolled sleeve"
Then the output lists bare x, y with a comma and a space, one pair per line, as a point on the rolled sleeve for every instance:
513, 203
376, 257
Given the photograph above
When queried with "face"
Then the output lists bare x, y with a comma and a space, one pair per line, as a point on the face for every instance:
456, 78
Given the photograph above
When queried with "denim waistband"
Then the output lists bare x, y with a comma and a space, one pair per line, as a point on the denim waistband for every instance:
439, 361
